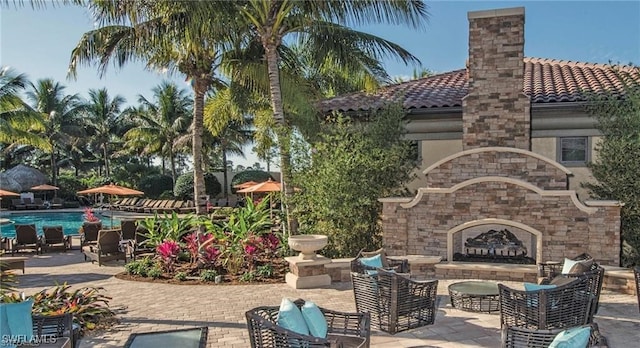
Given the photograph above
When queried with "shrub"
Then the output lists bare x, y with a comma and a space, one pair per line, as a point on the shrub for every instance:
184, 185
250, 175
248, 277
265, 271
139, 267
208, 275
88, 305
168, 252
181, 276
69, 185
154, 185
154, 272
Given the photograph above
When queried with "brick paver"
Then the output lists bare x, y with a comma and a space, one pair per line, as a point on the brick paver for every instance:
143, 307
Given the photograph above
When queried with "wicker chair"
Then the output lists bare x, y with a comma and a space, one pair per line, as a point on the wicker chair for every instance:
595, 275
517, 337
400, 266
344, 329
395, 303
561, 307
56, 326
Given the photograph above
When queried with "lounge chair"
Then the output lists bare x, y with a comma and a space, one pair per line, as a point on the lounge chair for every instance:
26, 238
107, 248
18, 204
54, 237
395, 302
56, 203
343, 329
38, 203
89, 233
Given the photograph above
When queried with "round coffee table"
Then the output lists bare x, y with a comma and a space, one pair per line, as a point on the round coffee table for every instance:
475, 296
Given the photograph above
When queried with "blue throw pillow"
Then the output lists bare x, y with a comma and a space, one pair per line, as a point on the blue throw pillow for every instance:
576, 337
373, 261
5, 332
315, 320
19, 323
290, 317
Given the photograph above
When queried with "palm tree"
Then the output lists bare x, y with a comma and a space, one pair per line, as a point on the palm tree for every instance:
61, 114
322, 25
184, 36
103, 119
18, 121
161, 122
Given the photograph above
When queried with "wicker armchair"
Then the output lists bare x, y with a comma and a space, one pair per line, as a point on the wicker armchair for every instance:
344, 329
396, 303
517, 337
561, 307
56, 326
595, 274
400, 266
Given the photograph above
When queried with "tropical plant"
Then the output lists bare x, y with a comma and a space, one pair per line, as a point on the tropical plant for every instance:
19, 123
166, 228
161, 122
351, 166
61, 114
7, 279
184, 36
168, 252
89, 216
313, 21
208, 275
103, 119
88, 305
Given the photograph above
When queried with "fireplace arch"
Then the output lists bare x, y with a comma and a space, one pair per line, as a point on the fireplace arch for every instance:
492, 221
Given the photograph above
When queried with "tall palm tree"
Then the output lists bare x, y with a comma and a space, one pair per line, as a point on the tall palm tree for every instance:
103, 119
162, 121
184, 36
323, 25
61, 114
18, 121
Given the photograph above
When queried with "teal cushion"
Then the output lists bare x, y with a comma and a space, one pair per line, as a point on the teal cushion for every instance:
315, 320
373, 261
5, 332
18, 321
290, 317
576, 337
534, 287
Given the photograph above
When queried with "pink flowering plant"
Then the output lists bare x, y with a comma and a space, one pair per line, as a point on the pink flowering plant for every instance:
168, 252
89, 216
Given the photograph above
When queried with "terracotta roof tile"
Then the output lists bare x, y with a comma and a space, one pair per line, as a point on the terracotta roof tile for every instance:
545, 81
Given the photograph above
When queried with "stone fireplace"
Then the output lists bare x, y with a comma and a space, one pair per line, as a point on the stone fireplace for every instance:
496, 182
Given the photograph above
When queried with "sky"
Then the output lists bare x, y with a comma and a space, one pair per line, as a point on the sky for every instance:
39, 42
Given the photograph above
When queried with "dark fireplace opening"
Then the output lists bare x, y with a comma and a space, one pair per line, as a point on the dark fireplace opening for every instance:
499, 246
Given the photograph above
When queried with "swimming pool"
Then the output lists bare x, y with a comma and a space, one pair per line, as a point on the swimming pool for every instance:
70, 221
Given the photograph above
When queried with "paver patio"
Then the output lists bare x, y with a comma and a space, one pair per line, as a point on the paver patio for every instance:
143, 307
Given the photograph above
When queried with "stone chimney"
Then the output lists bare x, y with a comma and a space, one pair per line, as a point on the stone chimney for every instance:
496, 112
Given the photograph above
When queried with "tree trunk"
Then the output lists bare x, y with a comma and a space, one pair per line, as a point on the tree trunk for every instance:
106, 159
199, 89
172, 158
283, 133
224, 173
54, 177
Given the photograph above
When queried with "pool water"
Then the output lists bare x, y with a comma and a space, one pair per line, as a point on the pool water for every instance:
70, 222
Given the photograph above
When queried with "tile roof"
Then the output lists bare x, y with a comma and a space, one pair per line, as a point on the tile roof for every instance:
545, 81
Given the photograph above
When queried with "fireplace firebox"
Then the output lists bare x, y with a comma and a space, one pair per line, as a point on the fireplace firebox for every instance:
500, 246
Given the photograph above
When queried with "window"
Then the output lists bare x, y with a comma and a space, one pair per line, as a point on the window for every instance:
573, 150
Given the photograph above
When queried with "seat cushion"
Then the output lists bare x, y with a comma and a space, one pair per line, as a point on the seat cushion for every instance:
576, 337
315, 320
534, 287
16, 321
576, 267
290, 317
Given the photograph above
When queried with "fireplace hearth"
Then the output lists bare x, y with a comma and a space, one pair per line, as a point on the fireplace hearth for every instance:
500, 246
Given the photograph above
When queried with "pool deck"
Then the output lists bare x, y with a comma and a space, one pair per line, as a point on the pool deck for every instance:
144, 307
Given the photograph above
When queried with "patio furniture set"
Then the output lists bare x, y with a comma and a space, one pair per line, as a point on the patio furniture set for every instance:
27, 238
102, 245
560, 308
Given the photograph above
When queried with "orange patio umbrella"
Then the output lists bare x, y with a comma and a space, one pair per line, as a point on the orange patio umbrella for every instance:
267, 186
112, 189
44, 187
5, 193
245, 185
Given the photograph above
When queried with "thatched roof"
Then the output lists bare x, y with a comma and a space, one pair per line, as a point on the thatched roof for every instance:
9, 184
26, 176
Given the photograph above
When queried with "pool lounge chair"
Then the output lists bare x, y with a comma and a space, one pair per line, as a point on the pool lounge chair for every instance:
107, 248
18, 204
54, 237
26, 238
56, 203
89, 233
